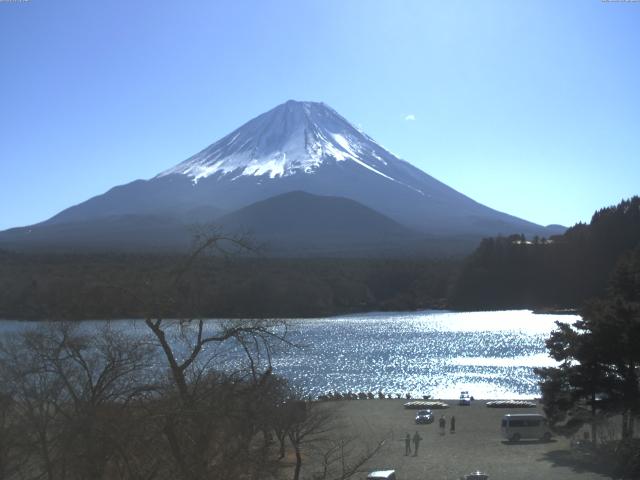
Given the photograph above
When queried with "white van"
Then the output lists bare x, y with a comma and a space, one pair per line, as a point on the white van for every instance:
518, 426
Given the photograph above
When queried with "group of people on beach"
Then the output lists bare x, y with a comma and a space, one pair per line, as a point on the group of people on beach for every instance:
416, 439
442, 423
416, 444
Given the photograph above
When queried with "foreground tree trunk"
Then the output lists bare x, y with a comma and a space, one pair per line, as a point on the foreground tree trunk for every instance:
296, 472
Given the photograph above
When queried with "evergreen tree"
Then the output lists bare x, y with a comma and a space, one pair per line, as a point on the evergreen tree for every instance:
599, 356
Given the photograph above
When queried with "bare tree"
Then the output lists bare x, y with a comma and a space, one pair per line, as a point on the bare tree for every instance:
343, 457
69, 389
12, 456
312, 427
318, 429
210, 424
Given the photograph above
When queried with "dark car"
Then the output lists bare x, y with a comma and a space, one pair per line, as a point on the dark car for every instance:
424, 416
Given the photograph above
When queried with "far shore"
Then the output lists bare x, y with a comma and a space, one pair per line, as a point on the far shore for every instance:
320, 315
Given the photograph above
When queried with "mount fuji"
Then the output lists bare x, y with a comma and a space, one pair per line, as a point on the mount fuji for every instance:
303, 147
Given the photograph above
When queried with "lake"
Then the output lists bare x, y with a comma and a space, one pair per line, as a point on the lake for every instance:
490, 354
439, 353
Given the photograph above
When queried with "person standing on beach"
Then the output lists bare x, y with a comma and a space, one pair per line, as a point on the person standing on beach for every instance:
452, 422
416, 443
407, 445
443, 424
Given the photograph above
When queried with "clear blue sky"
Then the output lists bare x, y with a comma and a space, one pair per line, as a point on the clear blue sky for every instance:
532, 108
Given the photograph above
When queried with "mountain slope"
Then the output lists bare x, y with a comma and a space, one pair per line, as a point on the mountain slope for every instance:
126, 232
296, 222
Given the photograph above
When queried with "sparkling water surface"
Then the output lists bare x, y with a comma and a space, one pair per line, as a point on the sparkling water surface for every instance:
437, 353
490, 354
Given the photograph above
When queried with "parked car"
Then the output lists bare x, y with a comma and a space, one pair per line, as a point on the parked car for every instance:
520, 426
382, 475
465, 398
424, 416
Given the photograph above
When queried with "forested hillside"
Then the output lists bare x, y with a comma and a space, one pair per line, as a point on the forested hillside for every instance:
126, 286
563, 271
503, 272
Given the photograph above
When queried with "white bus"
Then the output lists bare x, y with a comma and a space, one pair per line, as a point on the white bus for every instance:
519, 426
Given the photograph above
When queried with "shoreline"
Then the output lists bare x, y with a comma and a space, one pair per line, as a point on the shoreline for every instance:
450, 402
319, 316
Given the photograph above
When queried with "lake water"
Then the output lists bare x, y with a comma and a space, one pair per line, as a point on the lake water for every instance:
490, 354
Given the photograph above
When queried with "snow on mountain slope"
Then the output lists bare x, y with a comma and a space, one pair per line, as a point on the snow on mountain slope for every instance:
295, 137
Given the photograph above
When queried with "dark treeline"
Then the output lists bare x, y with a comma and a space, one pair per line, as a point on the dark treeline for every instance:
563, 272
94, 286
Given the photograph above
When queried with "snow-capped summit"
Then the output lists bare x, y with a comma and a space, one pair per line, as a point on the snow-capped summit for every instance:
295, 137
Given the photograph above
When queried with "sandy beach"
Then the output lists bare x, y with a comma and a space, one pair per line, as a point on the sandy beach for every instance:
476, 444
